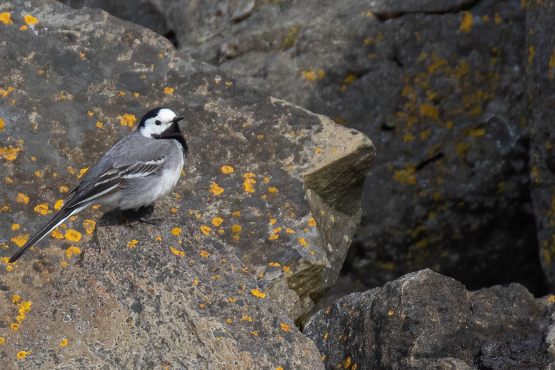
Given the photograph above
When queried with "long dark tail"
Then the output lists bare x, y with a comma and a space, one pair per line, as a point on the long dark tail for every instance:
58, 218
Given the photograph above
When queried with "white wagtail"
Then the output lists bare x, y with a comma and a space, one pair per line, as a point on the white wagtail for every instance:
139, 169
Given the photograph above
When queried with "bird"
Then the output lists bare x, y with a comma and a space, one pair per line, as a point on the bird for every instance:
139, 169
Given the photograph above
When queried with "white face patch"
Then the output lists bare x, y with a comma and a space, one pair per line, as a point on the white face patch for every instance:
157, 125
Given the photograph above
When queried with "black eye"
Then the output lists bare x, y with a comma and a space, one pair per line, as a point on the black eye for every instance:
158, 122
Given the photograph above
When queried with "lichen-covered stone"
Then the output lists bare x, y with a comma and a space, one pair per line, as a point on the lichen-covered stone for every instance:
541, 86
428, 321
441, 88
272, 189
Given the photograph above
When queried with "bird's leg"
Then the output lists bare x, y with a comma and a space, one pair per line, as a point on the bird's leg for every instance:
145, 214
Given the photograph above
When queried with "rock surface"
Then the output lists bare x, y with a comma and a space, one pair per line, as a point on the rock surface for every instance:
541, 86
270, 191
428, 321
441, 88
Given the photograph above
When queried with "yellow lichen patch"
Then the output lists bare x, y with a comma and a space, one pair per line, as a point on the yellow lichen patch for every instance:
72, 250
466, 22
249, 181
2, 340
168, 90
217, 221
427, 110
317, 150
289, 231
205, 254
2, 125
9, 152
15, 227
176, 231
42, 209
215, 189
309, 75
5, 18
22, 354
64, 189
551, 298
277, 230
477, 132
274, 237
89, 226
20, 240
273, 190
29, 19
132, 244
273, 221
63, 263
303, 242
531, 54
257, 293
58, 205
63, 342
205, 229
57, 234
406, 177
408, 137
286, 269
73, 235
285, 327
128, 120
274, 264
15, 298
311, 222
177, 252
227, 170
236, 228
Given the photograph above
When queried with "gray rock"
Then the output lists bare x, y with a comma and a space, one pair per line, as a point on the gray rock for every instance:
428, 321
539, 44
443, 95
270, 191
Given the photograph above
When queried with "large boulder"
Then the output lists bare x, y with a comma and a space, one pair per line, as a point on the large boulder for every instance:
541, 88
266, 207
425, 320
443, 89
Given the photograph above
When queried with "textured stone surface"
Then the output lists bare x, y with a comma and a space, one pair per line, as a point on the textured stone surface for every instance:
442, 95
541, 86
428, 321
276, 186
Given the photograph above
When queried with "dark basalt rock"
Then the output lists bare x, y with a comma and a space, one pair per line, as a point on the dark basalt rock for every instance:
428, 321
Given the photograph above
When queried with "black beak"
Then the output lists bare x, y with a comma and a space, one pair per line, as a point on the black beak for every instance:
177, 119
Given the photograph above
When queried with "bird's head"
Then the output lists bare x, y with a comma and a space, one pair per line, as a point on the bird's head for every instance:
158, 122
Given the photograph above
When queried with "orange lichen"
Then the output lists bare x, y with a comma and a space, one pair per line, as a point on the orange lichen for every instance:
89, 226
309, 75
132, 244
215, 189
63, 342
72, 250
249, 181
20, 240
205, 254
431, 111
177, 252
236, 228
58, 205
258, 293
273, 190
217, 221
289, 231
15, 227
303, 242
73, 235
128, 120
311, 222
5, 18
168, 90
227, 170
274, 237
63, 263
2, 125
466, 22
42, 209
2, 340
285, 327
176, 231
57, 234
205, 229
9, 152
29, 19
406, 177
64, 189
22, 354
